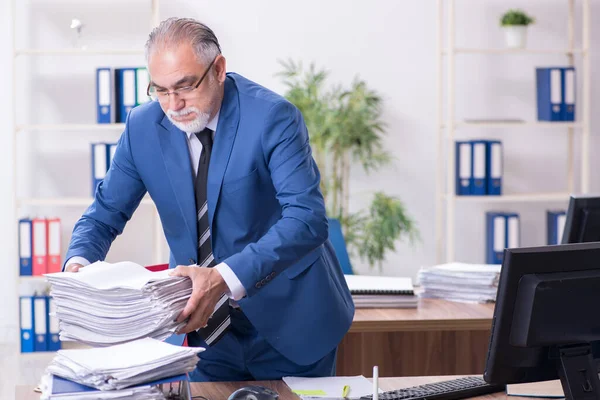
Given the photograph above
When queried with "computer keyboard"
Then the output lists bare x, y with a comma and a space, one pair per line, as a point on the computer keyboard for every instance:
454, 389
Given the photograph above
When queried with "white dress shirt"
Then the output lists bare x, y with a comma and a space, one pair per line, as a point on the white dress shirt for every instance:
236, 289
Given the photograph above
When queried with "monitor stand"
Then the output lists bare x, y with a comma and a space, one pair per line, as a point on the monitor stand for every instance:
578, 373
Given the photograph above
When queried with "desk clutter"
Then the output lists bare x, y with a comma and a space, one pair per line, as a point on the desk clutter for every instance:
123, 311
105, 304
135, 370
471, 283
341, 387
381, 291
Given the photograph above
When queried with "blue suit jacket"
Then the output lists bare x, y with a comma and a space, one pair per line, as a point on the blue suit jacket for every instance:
266, 212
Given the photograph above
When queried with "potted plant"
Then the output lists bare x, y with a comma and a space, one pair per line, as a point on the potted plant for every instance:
514, 23
345, 129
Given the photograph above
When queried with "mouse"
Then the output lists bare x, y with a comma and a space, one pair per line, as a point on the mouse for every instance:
254, 393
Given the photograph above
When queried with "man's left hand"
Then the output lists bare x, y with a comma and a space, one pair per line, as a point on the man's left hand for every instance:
208, 287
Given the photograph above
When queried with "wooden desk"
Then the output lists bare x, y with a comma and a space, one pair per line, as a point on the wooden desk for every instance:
437, 338
221, 390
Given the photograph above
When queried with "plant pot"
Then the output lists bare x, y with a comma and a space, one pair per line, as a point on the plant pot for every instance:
515, 36
338, 242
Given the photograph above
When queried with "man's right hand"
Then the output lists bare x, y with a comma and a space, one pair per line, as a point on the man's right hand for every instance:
73, 267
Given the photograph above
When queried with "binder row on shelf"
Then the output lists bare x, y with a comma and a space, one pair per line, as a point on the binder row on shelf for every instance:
479, 167
118, 91
555, 93
39, 329
503, 231
555, 226
102, 155
39, 246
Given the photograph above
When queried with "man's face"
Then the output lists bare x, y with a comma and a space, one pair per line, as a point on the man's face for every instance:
176, 68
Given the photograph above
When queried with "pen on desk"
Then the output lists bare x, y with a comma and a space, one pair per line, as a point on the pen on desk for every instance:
375, 383
345, 391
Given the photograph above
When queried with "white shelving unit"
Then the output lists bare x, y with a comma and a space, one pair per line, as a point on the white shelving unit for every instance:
524, 124
77, 52
20, 127
446, 198
65, 201
70, 127
464, 50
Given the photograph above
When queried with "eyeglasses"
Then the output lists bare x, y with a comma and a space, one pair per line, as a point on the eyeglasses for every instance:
162, 95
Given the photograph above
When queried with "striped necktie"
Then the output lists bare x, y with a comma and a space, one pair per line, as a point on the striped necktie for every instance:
220, 320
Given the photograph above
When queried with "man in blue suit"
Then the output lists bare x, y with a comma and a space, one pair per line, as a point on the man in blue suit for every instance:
229, 166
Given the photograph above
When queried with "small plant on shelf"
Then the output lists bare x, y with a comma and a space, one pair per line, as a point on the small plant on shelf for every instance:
515, 23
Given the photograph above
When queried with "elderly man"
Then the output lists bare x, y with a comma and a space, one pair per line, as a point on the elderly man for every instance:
229, 166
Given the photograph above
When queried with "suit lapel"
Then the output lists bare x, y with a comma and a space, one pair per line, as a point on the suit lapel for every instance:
224, 138
174, 148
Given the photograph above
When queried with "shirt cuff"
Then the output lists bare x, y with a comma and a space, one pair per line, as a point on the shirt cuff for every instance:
77, 260
236, 289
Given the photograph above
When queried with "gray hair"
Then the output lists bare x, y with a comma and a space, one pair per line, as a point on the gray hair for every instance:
175, 31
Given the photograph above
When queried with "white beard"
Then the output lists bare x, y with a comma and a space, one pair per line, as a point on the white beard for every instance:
193, 126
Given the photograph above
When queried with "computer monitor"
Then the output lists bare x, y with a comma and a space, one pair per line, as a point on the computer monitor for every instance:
583, 220
545, 317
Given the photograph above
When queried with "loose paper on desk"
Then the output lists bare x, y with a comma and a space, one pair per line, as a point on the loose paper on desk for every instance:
472, 283
548, 389
381, 291
366, 284
329, 387
124, 365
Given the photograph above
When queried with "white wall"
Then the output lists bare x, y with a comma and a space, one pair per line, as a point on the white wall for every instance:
389, 43
7, 240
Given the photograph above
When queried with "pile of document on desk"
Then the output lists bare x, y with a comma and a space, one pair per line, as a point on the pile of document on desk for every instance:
471, 283
133, 370
105, 304
381, 291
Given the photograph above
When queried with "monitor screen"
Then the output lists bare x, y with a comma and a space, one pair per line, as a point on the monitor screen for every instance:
583, 220
545, 318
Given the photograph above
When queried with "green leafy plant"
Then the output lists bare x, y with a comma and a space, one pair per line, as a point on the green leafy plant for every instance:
345, 128
516, 17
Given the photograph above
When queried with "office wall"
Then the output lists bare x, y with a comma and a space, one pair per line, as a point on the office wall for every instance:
7, 243
389, 43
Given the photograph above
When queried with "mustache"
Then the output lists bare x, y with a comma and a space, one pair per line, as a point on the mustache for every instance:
183, 112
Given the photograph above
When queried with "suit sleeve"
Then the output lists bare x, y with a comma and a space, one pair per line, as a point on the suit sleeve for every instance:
303, 224
115, 200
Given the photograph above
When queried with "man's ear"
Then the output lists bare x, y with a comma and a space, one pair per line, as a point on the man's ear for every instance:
220, 67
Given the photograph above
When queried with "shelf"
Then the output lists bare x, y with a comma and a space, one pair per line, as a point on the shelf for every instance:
515, 124
39, 355
71, 127
466, 50
513, 198
76, 52
65, 201
32, 278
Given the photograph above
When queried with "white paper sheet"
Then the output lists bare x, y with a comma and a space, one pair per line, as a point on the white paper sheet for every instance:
330, 387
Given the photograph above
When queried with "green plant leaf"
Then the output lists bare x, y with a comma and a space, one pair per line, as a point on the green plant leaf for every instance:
516, 17
387, 222
345, 126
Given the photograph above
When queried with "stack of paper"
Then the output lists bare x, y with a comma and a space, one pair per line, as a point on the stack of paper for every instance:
105, 304
381, 291
548, 389
472, 283
124, 365
56, 388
